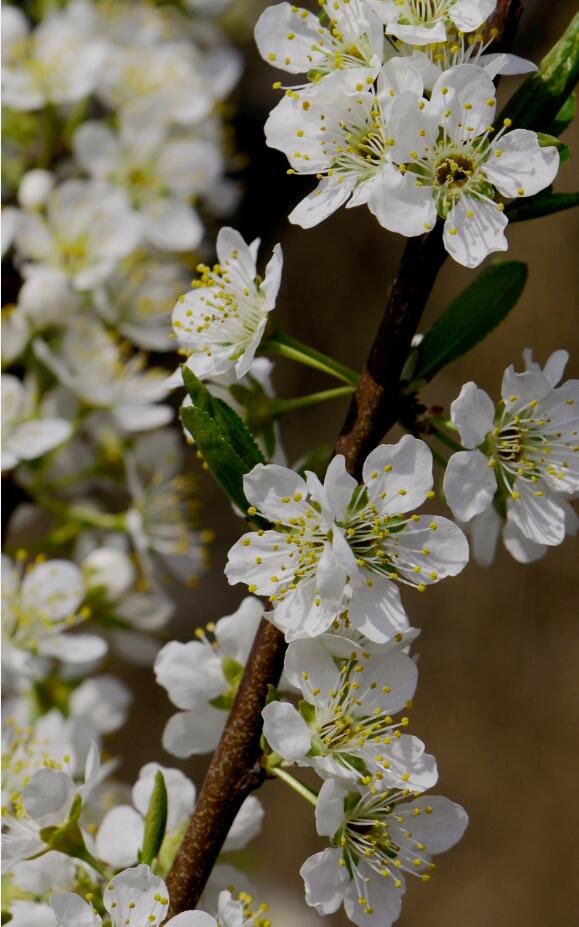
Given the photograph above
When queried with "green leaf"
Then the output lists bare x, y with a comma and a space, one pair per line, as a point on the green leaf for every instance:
546, 141
543, 204
565, 116
223, 440
469, 318
538, 101
155, 821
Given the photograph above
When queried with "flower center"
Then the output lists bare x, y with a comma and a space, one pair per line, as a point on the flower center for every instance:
454, 171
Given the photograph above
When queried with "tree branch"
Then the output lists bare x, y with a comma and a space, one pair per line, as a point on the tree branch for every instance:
374, 408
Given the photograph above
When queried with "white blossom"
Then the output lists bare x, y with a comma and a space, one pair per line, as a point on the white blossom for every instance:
138, 297
163, 511
344, 141
201, 678
521, 464
375, 840
343, 547
46, 799
87, 228
56, 63
26, 435
134, 895
220, 323
35, 188
40, 604
90, 362
429, 22
342, 51
449, 166
159, 173
344, 727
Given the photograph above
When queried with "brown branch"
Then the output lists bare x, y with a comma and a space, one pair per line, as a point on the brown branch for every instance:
234, 772
374, 407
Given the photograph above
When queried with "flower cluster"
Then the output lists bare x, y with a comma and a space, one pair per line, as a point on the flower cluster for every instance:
398, 113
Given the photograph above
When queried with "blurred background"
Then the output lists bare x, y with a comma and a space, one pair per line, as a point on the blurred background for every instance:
498, 694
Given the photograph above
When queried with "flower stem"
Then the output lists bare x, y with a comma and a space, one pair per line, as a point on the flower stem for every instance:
284, 346
279, 406
445, 439
295, 784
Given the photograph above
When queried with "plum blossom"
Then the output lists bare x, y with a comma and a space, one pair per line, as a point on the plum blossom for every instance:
341, 51
90, 362
376, 838
163, 512
25, 435
521, 465
201, 678
134, 895
40, 604
138, 298
344, 727
56, 63
87, 228
343, 141
448, 166
49, 798
159, 173
220, 322
343, 547
429, 22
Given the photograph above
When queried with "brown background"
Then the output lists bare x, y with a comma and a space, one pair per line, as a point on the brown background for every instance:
498, 695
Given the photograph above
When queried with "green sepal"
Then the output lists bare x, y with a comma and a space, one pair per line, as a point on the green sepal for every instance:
155, 821
273, 694
544, 203
546, 141
565, 116
223, 702
307, 711
469, 318
223, 440
540, 98
232, 670
68, 839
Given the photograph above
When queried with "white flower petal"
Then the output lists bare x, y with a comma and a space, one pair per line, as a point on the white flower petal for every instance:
469, 484
519, 547
473, 230
191, 732
541, 518
325, 880
376, 611
468, 15
246, 825
329, 195
464, 100
440, 828
398, 476
73, 911
523, 167
138, 895
330, 808
120, 837
472, 412
273, 30
191, 673
286, 731
55, 588
484, 531
268, 485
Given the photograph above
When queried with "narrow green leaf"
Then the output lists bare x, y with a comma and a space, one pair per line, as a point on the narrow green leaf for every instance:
469, 318
538, 101
546, 141
224, 441
155, 821
543, 204
225, 464
565, 116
